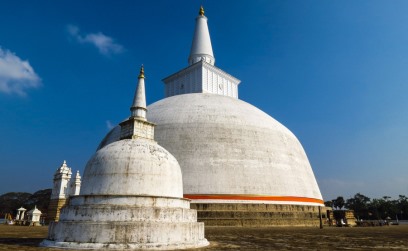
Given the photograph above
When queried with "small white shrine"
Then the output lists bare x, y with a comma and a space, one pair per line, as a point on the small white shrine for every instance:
64, 187
20, 214
34, 217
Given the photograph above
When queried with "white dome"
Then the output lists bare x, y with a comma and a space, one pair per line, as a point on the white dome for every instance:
229, 150
131, 199
133, 167
226, 147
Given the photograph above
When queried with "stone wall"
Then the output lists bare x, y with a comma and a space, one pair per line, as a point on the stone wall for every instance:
254, 215
54, 209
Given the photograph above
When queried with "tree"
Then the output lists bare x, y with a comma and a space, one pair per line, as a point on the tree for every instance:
339, 202
375, 209
402, 207
359, 203
328, 203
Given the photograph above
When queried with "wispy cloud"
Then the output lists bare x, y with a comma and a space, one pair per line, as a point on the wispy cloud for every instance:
16, 75
109, 125
106, 45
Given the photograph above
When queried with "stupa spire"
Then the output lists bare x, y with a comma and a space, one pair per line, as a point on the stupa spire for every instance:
136, 126
201, 49
138, 108
201, 76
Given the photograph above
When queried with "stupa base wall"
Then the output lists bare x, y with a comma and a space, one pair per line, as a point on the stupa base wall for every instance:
255, 215
121, 235
127, 246
118, 226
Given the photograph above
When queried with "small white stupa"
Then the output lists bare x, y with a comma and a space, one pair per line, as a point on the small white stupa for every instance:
131, 197
34, 216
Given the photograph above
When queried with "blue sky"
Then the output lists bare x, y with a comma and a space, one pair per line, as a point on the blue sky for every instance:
334, 72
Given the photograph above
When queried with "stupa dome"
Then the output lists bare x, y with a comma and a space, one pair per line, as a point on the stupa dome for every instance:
240, 166
230, 150
228, 147
133, 167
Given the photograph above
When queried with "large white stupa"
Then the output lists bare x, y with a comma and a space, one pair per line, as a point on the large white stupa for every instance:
236, 160
131, 196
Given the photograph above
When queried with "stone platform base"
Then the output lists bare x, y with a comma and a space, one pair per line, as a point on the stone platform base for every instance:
254, 215
124, 246
126, 222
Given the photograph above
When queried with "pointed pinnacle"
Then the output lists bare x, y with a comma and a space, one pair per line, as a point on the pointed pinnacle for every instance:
141, 73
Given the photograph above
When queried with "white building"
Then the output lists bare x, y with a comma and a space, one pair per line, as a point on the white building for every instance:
62, 177
34, 217
233, 156
131, 197
21, 214
63, 188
